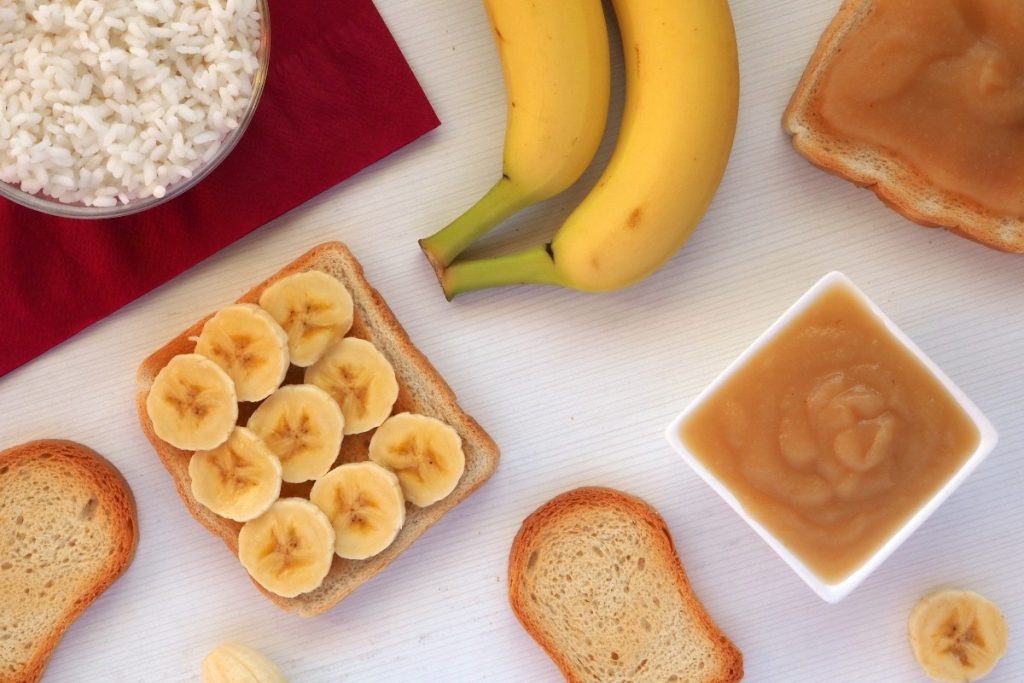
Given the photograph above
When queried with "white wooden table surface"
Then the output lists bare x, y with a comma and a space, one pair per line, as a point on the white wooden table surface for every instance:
577, 389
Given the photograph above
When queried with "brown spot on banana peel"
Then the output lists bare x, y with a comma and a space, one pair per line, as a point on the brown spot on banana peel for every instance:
633, 221
634, 218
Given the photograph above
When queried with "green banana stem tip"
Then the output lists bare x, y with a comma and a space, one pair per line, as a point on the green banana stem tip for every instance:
535, 265
503, 200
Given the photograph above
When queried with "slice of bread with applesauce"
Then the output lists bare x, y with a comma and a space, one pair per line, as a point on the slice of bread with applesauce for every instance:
68, 530
594, 578
421, 390
897, 181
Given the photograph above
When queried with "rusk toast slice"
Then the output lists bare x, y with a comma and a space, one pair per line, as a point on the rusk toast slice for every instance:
595, 580
896, 181
421, 390
68, 530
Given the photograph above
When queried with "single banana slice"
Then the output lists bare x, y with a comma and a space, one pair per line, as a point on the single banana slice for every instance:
424, 452
360, 379
192, 403
364, 503
302, 425
957, 636
315, 310
239, 479
289, 548
251, 347
236, 663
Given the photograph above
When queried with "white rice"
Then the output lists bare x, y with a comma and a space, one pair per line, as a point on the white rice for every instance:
107, 101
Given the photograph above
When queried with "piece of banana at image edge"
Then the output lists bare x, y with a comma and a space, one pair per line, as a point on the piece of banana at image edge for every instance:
679, 120
556, 65
237, 663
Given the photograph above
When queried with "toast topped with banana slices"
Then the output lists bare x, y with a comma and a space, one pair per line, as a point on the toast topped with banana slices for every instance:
303, 427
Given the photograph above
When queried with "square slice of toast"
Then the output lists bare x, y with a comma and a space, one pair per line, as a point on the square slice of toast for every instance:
897, 181
421, 390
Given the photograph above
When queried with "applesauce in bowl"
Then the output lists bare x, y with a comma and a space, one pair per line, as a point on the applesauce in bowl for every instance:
833, 435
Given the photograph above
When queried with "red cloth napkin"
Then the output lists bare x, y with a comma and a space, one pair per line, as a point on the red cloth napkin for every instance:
339, 96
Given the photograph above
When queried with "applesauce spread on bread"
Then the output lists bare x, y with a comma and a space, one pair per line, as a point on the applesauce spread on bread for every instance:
938, 83
832, 435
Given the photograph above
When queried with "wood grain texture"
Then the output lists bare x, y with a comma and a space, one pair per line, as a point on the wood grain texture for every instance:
576, 388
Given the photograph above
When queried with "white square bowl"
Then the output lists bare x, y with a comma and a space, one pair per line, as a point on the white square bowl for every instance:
834, 592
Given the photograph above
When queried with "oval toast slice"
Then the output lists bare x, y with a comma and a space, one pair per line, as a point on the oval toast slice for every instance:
595, 580
68, 530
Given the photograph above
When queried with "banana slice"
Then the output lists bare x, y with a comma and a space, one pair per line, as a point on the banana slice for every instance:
251, 347
957, 636
424, 452
360, 379
236, 663
315, 310
302, 425
239, 479
192, 403
364, 503
289, 548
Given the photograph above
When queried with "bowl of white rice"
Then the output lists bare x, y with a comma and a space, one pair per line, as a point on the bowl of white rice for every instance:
110, 107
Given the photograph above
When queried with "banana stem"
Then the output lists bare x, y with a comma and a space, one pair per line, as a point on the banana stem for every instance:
532, 266
500, 202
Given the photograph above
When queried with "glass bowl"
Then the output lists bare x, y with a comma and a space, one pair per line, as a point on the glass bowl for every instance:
49, 205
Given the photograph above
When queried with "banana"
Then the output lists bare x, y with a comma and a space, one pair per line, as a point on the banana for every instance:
555, 60
302, 425
424, 452
364, 503
236, 663
315, 310
957, 636
192, 403
360, 379
289, 548
251, 347
679, 119
239, 479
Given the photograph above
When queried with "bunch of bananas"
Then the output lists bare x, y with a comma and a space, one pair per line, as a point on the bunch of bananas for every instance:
681, 103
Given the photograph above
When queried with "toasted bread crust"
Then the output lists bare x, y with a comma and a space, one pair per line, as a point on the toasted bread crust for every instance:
113, 495
421, 390
896, 182
529, 538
